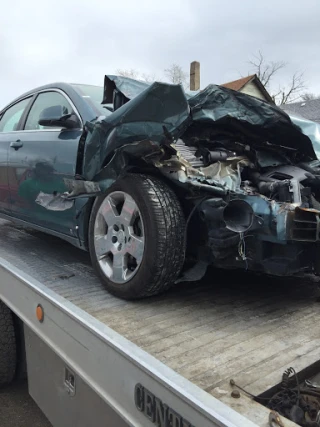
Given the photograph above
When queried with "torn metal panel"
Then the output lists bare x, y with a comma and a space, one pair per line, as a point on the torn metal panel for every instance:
64, 201
159, 112
227, 173
311, 130
126, 157
247, 117
54, 202
78, 187
125, 86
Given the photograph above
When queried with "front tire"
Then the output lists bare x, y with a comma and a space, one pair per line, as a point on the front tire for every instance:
136, 237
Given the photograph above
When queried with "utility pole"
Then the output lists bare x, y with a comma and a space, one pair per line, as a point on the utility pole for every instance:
195, 75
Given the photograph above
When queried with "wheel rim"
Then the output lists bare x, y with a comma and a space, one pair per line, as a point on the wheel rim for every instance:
119, 237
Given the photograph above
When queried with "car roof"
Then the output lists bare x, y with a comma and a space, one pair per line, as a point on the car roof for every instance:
58, 85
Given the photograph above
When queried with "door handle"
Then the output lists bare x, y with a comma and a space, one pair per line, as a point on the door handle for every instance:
16, 144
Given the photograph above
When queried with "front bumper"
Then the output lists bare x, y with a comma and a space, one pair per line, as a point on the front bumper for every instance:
280, 238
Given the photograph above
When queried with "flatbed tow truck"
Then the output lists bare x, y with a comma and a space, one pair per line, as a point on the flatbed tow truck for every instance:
95, 360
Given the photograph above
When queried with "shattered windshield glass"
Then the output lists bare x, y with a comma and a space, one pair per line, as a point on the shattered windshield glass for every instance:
94, 95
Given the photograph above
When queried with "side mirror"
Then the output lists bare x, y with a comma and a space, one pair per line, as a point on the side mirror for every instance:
56, 116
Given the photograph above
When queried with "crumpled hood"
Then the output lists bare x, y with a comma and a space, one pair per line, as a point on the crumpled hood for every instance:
162, 112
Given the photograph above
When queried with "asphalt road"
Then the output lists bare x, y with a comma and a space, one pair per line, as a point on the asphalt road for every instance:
17, 409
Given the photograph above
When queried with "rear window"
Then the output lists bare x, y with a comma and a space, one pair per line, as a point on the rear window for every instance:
11, 117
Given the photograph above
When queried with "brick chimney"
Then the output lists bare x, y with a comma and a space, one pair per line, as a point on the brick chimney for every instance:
195, 75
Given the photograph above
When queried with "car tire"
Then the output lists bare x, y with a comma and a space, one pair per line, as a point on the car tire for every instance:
159, 231
8, 348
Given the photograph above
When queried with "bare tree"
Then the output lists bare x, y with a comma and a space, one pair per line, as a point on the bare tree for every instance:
136, 75
266, 72
149, 78
308, 96
176, 75
132, 73
290, 92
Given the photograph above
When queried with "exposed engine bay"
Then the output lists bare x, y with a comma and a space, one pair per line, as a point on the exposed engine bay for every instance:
273, 199
256, 171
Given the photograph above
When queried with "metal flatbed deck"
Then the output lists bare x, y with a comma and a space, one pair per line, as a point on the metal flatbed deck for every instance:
231, 325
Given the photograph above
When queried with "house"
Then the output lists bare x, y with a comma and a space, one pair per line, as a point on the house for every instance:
309, 110
251, 85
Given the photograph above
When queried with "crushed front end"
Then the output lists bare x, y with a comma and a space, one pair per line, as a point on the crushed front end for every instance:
255, 185
259, 206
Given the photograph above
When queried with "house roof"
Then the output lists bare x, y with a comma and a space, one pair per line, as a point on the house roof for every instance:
307, 109
240, 83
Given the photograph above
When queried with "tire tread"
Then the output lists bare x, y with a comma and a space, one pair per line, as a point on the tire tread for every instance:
164, 212
171, 224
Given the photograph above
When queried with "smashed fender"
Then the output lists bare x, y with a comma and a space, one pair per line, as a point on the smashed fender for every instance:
310, 129
128, 88
160, 112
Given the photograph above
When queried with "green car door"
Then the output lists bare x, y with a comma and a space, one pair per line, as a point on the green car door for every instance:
9, 122
39, 159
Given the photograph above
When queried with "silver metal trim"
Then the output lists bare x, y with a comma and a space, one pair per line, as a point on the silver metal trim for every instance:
16, 101
45, 130
8, 107
8, 133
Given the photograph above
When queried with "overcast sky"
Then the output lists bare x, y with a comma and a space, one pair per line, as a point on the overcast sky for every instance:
81, 41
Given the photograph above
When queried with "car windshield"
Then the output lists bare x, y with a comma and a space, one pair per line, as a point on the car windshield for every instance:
94, 95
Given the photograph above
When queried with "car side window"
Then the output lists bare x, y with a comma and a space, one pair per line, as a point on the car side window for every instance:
45, 100
11, 117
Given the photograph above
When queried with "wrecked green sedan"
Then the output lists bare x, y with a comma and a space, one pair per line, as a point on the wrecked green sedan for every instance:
157, 184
